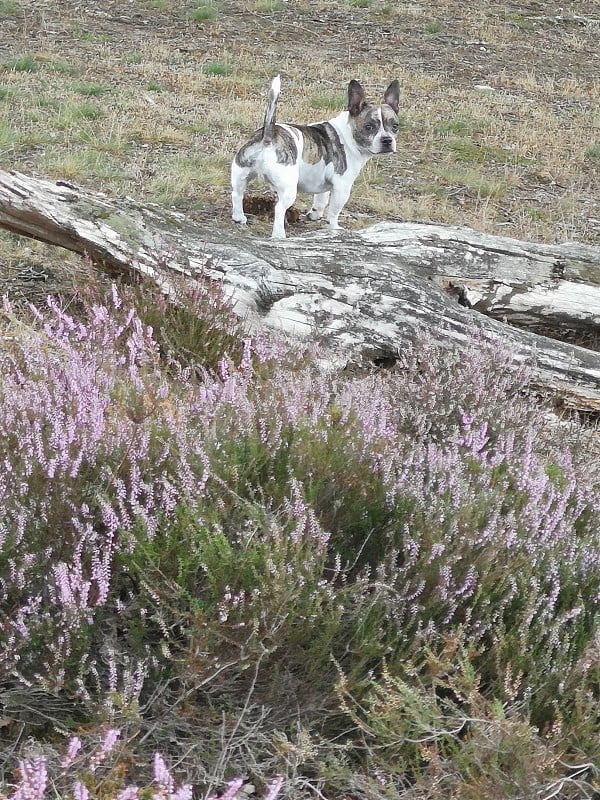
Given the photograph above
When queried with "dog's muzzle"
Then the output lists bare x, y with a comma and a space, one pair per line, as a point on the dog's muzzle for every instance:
387, 145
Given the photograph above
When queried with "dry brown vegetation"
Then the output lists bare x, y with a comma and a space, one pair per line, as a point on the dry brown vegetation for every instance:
500, 120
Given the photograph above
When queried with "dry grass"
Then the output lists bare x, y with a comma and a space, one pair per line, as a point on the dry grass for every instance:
500, 121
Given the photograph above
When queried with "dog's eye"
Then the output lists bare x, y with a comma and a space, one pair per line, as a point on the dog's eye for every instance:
395, 127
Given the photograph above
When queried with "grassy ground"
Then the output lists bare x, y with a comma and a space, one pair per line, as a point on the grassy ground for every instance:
499, 109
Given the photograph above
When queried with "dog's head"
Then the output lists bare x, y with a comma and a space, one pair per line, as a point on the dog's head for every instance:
374, 128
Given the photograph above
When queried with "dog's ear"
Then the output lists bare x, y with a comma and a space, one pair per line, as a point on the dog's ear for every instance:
392, 96
356, 98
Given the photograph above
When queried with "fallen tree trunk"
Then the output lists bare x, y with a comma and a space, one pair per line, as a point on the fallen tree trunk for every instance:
364, 294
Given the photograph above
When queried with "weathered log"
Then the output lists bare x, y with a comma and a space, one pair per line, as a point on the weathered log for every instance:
365, 294
524, 282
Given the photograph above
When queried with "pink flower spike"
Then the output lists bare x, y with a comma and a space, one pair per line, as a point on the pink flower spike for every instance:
233, 788
162, 776
33, 778
183, 793
106, 747
129, 793
73, 749
80, 792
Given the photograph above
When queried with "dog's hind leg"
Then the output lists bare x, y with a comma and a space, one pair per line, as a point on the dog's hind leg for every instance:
285, 183
319, 205
285, 199
239, 178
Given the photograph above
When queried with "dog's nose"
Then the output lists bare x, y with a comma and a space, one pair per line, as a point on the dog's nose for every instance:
386, 141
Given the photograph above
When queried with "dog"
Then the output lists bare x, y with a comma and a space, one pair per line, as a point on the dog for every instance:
323, 158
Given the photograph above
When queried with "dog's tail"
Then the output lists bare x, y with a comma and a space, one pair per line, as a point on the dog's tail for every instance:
269, 123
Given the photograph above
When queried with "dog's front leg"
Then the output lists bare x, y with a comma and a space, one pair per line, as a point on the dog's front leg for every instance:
318, 207
339, 197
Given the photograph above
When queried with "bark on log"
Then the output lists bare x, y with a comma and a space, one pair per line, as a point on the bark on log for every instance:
365, 294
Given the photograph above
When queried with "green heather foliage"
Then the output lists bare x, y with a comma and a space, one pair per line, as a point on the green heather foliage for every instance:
216, 556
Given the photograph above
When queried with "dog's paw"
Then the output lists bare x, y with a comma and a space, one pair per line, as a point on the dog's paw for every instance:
313, 214
241, 220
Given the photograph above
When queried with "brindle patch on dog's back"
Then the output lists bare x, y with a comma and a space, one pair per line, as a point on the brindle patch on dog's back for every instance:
246, 156
283, 142
322, 143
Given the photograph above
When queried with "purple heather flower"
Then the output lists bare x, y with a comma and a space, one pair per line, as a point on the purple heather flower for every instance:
129, 793
161, 774
105, 748
33, 779
80, 791
73, 749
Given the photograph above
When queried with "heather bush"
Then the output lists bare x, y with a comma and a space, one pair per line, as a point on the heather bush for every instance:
98, 767
194, 328
375, 584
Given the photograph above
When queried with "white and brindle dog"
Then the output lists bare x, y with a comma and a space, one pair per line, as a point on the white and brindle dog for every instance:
323, 158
